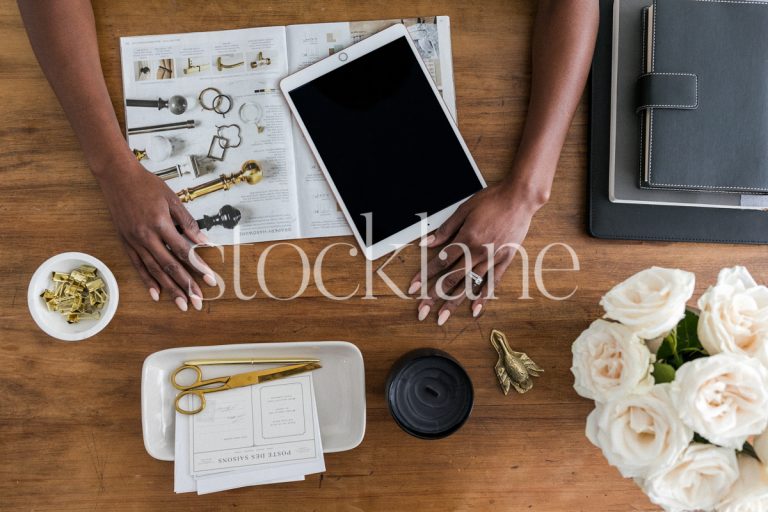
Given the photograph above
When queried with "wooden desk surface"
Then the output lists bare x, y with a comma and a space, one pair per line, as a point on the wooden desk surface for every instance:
70, 426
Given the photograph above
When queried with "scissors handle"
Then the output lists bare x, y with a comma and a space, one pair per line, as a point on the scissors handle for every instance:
200, 396
199, 382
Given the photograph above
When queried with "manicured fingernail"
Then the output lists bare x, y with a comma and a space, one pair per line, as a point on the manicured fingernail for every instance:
414, 287
427, 241
197, 302
181, 303
423, 312
476, 310
202, 238
154, 294
209, 279
444, 314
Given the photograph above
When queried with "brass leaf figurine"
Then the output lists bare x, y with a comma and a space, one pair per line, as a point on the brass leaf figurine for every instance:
513, 369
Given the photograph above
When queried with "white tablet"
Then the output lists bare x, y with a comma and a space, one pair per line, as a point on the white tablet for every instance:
384, 139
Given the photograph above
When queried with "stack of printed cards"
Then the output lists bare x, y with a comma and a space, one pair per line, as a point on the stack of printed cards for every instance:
254, 435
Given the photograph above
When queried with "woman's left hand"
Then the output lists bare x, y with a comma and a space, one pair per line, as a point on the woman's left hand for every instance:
484, 234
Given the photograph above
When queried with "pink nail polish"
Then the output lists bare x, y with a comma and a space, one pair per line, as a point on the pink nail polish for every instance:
427, 241
203, 238
197, 302
414, 287
209, 279
423, 312
476, 309
181, 303
444, 315
154, 294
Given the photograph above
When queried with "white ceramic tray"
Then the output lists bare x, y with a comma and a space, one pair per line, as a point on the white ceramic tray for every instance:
339, 388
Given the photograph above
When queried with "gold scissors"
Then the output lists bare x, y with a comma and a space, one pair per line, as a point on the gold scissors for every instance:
199, 387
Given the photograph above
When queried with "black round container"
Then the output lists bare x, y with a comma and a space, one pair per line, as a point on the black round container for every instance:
429, 393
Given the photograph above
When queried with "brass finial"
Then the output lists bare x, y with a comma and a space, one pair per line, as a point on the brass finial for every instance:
250, 173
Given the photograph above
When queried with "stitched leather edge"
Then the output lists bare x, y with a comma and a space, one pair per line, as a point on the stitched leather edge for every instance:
650, 134
687, 106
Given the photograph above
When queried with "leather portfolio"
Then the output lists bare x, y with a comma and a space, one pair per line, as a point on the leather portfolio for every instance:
642, 221
704, 96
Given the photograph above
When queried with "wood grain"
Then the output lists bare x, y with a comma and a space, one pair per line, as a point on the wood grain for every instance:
70, 429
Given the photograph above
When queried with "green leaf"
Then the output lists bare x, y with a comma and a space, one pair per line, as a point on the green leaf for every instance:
668, 350
748, 449
682, 344
691, 350
668, 347
700, 439
663, 372
687, 332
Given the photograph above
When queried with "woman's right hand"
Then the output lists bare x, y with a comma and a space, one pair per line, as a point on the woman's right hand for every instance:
146, 212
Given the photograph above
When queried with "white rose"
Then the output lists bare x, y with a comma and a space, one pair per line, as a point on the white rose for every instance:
697, 480
639, 433
750, 492
651, 302
609, 362
723, 397
734, 315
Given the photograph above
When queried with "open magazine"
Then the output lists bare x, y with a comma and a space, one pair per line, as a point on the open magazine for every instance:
223, 89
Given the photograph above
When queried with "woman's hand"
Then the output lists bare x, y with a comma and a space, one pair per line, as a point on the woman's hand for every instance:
484, 235
146, 212
563, 41
143, 208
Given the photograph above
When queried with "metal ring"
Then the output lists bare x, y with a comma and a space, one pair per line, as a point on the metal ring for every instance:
221, 136
476, 278
217, 104
201, 99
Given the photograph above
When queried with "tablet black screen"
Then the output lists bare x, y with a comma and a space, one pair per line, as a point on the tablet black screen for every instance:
385, 140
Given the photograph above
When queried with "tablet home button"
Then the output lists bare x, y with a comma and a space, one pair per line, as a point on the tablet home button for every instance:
343, 57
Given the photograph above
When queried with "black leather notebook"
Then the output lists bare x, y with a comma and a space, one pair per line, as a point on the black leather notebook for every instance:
704, 96
640, 221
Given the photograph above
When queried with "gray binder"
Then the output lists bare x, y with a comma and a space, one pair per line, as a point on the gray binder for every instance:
640, 221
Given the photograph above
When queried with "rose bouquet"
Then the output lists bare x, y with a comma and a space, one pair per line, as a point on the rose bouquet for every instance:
681, 395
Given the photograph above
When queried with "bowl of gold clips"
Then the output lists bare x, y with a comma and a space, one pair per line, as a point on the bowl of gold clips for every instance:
72, 296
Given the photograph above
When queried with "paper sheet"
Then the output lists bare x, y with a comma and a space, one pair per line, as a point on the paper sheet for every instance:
249, 436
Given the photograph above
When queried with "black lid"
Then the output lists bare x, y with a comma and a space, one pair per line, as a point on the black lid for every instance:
429, 394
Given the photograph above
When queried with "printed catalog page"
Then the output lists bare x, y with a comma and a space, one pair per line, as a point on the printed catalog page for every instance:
229, 80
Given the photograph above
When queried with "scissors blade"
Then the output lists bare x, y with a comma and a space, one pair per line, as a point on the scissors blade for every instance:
250, 378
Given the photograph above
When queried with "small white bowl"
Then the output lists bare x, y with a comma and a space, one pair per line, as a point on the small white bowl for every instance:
54, 324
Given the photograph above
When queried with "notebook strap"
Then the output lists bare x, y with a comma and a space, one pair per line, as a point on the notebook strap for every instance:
667, 90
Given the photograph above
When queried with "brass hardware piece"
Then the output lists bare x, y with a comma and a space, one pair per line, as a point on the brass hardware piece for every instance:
78, 295
195, 68
250, 360
261, 61
250, 173
513, 369
220, 65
